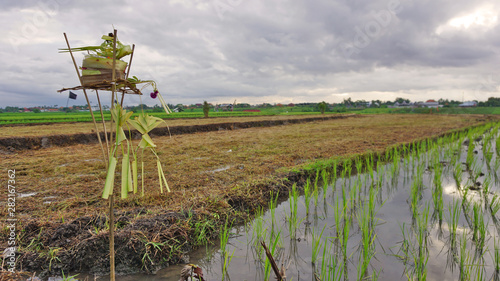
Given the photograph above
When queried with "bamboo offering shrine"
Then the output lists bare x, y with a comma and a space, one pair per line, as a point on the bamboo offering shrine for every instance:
103, 70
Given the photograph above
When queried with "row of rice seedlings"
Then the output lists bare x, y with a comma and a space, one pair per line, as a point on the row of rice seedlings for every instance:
380, 175
416, 253
316, 179
307, 195
316, 196
316, 244
272, 209
496, 260
495, 171
470, 149
437, 194
456, 148
415, 196
486, 186
466, 207
293, 220
353, 194
224, 235
395, 164
348, 166
226, 257
367, 246
358, 163
468, 269
333, 175
330, 269
372, 203
497, 146
475, 171
344, 238
457, 174
422, 258
338, 215
487, 149
454, 214
326, 182
405, 246
369, 166
465, 259
479, 228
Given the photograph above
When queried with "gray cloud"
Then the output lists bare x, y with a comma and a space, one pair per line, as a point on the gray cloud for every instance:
260, 51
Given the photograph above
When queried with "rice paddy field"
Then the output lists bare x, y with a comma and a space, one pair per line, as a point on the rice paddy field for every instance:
389, 197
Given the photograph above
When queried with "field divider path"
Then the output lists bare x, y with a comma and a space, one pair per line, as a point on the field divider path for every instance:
12, 144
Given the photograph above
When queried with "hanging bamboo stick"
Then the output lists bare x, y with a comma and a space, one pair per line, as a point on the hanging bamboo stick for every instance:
128, 71
87, 98
103, 122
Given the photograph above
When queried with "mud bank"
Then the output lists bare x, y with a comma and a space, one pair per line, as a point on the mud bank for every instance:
12, 144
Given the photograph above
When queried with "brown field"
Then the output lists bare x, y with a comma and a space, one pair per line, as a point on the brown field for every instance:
88, 127
225, 172
75, 174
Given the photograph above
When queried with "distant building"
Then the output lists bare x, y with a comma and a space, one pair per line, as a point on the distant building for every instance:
224, 107
468, 104
402, 104
430, 104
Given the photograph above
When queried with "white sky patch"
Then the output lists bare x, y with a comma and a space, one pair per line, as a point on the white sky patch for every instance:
483, 18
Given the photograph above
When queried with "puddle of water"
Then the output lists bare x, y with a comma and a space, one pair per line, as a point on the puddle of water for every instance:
47, 201
93, 160
227, 167
22, 195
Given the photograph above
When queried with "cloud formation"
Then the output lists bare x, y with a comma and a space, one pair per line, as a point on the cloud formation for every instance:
261, 51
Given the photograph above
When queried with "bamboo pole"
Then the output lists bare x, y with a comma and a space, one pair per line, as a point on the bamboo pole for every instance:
103, 122
87, 98
128, 71
111, 238
111, 200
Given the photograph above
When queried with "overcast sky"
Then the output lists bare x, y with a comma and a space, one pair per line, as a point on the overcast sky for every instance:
255, 51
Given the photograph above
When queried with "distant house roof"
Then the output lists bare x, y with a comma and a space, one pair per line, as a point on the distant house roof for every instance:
468, 104
402, 103
430, 104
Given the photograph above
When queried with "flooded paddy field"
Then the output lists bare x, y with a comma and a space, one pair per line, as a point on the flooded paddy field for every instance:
429, 212
231, 176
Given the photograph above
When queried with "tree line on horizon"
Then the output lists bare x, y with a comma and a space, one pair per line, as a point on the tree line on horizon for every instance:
347, 103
